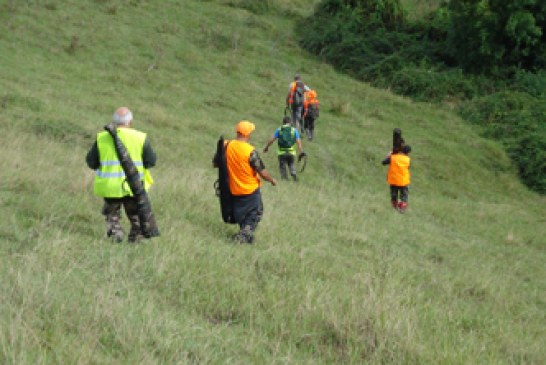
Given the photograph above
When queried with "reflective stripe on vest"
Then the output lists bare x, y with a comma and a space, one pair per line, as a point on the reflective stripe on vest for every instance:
110, 180
243, 180
399, 174
117, 174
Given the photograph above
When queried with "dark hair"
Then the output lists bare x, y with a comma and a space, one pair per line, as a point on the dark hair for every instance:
286, 120
406, 149
297, 77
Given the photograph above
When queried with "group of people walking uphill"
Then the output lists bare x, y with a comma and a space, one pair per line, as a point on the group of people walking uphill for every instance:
244, 169
304, 106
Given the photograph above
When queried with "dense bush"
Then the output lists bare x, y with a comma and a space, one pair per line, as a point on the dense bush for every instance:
429, 84
532, 83
485, 36
517, 119
503, 42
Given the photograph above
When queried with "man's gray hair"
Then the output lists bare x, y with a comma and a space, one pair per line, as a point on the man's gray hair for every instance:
124, 119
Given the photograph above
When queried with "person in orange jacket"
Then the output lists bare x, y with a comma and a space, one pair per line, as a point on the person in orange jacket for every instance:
245, 167
311, 107
294, 101
399, 177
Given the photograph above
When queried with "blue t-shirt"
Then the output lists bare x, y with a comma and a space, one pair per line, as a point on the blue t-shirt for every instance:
277, 131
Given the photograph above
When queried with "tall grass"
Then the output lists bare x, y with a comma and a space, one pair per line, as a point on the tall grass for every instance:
336, 276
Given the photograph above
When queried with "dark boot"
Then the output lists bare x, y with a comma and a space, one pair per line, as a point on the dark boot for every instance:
245, 235
394, 204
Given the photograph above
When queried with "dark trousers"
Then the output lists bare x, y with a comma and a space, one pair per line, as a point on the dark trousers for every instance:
112, 214
399, 191
297, 113
248, 211
309, 125
287, 159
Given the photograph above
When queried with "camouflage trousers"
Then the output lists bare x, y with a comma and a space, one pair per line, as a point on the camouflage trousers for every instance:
112, 215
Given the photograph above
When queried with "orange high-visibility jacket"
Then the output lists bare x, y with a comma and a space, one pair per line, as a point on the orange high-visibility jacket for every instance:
310, 98
398, 173
243, 180
292, 90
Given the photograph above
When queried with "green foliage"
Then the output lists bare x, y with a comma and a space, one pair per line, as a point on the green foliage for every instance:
371, 49
531, 83
428, 84
336, 275
428, 58
516, 119
375, 13
485, 36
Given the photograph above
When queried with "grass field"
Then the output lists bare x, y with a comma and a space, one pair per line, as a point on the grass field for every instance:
335, 277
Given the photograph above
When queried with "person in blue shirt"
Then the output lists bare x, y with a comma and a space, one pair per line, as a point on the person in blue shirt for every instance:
287, 138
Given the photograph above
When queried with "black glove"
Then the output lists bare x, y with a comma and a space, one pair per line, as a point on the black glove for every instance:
302, 155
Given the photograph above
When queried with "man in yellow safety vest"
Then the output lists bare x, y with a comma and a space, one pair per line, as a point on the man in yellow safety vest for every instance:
110, 180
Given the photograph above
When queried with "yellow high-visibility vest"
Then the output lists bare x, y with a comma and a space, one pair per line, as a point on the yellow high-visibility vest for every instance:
110, 180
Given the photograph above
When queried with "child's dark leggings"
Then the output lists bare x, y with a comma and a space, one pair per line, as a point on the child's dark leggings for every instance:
403, 191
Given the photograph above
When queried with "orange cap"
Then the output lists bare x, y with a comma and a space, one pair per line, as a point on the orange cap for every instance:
245, 127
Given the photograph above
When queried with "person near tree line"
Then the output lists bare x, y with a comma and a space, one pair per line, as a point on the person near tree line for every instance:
287, 138
398, 176
110, 180
245, 167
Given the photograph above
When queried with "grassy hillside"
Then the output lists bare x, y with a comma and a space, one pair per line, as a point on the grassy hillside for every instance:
336, 276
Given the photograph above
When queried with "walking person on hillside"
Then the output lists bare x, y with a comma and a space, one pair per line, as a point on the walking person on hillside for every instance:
398, 177
245, 167
287, 138
110, 180
311, 106
294, 101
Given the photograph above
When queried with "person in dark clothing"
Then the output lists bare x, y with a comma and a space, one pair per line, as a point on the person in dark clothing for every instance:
110, 182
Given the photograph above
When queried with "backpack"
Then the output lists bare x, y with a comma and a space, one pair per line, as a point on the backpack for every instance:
287, 136
313, 111
222, 184
297, 97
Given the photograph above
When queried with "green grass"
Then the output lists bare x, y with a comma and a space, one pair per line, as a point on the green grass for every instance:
336, 275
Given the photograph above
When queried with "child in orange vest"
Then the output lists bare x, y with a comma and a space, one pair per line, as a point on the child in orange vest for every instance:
398, 177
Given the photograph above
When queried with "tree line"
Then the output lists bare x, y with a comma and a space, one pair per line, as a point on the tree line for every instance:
488, 57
